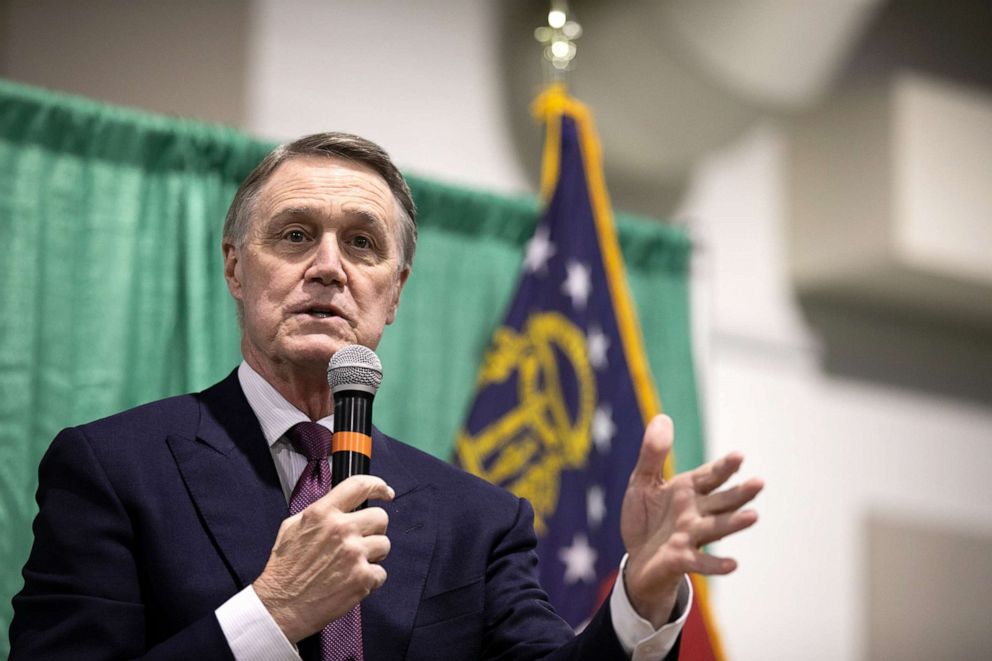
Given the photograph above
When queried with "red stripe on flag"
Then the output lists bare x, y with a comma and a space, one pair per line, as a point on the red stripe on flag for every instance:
605, 588
696, 644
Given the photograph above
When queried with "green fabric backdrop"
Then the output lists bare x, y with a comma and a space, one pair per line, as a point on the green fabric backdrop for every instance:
112, 291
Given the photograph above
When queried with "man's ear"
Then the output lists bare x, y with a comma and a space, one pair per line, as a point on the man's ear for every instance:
232, 270
400, 282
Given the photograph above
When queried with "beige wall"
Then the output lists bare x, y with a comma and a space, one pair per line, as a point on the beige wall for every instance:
182, 57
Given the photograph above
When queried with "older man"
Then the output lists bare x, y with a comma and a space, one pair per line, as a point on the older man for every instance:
166, 531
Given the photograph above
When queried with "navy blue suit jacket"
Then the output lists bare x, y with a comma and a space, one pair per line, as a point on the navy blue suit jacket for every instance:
151, 519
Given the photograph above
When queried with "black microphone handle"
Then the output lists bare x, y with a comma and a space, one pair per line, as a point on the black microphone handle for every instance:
351, 447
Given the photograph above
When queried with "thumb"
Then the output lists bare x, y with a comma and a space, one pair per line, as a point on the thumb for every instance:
655, 447
355, 490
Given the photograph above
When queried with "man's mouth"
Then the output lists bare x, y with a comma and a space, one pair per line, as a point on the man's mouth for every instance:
320, 313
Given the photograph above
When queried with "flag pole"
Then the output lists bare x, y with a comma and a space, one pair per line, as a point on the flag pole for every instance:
559, 53
558, 38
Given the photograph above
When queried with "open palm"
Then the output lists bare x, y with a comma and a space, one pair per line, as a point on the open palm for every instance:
664, 524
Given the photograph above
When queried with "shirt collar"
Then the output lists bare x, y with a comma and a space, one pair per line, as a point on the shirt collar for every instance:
275, 414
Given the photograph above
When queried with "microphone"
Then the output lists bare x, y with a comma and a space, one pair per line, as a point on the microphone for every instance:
354, 375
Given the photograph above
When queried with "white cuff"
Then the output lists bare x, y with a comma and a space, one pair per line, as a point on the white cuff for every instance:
250, 630
637, 636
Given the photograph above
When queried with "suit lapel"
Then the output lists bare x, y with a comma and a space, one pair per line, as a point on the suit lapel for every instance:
388, 613
231, 478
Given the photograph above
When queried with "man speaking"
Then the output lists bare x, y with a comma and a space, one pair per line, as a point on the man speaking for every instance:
201, 526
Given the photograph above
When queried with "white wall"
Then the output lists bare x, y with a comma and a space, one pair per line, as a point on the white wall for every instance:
420, 78
834, 451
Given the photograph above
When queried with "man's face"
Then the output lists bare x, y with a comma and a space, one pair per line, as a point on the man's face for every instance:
320, 266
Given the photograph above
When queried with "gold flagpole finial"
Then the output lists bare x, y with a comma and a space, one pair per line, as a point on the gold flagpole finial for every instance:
558, 37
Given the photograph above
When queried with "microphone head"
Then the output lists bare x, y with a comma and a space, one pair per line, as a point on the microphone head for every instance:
354, 367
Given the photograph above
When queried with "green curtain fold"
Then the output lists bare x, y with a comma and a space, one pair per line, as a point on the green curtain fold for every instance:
113, 293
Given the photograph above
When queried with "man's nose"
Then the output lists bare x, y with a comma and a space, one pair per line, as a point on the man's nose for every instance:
327, 266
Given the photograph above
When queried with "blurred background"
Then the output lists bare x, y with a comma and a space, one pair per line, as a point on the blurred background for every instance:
831, 160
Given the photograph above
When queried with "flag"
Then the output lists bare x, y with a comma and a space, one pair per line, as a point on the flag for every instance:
564, 391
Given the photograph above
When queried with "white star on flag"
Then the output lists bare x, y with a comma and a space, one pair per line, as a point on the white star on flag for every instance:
603, 428
577, 283
580, 560
595, 505
539, 251
597, 343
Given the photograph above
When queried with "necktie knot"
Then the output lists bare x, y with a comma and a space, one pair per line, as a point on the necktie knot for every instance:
311, 440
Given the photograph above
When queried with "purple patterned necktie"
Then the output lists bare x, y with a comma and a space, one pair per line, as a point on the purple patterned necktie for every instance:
340, 640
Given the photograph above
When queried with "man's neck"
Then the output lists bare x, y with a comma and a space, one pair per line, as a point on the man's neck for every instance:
307, 390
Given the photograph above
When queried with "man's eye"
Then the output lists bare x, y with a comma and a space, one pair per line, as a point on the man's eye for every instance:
295, 236
362, 242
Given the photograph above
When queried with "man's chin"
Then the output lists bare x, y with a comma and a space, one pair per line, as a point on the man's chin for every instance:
319, 351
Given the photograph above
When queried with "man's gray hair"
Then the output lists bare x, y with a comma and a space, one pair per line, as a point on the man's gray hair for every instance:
331, 145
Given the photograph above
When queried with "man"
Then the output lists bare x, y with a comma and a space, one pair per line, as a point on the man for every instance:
164, 531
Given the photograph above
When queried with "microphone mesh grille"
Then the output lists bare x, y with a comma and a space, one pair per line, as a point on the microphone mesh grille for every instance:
354, 365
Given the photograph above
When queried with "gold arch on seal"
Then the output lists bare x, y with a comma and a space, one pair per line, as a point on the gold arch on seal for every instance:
526, 449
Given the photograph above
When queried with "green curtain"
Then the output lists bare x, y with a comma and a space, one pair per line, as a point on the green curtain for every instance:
112, 291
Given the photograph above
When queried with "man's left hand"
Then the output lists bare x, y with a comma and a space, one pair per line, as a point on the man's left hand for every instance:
664, 523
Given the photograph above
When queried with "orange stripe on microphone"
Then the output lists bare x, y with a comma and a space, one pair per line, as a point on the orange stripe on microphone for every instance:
351, 441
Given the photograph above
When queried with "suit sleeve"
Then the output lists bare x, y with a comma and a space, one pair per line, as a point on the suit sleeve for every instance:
82, 595
521, 623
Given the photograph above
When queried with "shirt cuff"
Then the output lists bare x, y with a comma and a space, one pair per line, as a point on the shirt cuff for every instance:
250, 630
638, 638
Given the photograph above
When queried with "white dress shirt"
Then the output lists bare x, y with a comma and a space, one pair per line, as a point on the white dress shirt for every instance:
253, 634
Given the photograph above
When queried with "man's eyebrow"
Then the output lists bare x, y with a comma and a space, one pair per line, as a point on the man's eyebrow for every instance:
294, 213
367, 217
303, 212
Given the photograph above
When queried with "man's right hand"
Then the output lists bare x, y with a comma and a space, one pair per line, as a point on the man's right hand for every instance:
325, 559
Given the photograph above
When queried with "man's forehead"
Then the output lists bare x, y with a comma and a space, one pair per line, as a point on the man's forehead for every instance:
319, 167
327, 178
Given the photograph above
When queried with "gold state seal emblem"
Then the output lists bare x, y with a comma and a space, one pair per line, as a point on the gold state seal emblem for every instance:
527, 448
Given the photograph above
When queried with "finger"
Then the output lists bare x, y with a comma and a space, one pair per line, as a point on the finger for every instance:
355, 490
376, 576
712, 528
684, 557
369, 521
731, 499
709, 476
704, 563
376, 547
655, 447
363, 581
